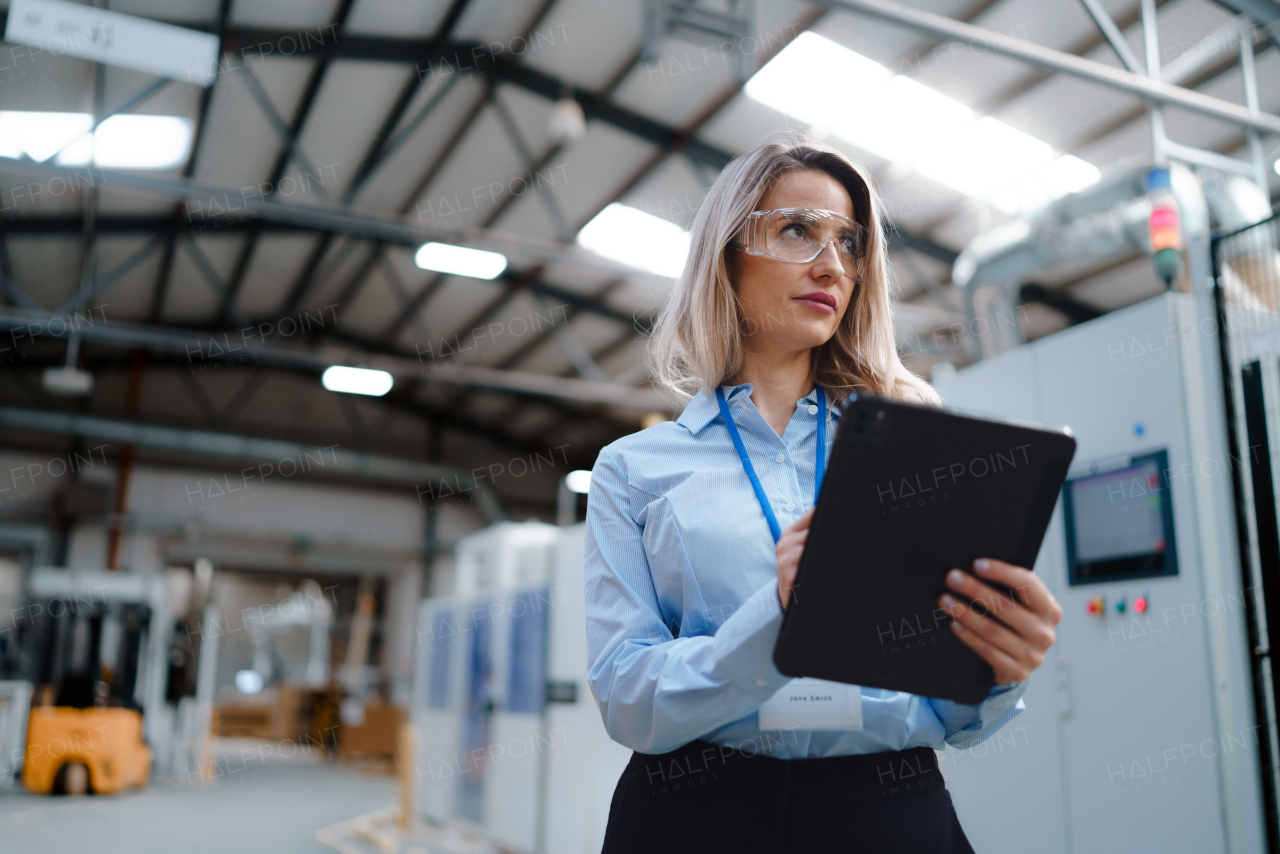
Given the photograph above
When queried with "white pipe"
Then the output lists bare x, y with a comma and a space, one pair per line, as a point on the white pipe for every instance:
1102, 221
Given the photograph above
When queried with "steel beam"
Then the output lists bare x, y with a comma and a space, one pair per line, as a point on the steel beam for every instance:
290, 149
161, 288
1207, 51
204, 198
1210, 159
1113, 35
210, 444
204, 346
377, 152
78, 300
1265, 12
133, 224
401, 398
1156, 91
468, 56
18, 296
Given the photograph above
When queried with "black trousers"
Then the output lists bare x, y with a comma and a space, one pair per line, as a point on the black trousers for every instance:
704, 798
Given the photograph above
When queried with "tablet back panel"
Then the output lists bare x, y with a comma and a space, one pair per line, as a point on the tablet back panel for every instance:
911, 492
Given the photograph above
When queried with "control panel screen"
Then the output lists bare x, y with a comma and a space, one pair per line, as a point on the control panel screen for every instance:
1120, 522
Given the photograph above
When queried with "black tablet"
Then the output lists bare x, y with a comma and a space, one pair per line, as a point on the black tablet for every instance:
911, 492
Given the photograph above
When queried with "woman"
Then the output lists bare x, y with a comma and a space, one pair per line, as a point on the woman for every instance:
783, 311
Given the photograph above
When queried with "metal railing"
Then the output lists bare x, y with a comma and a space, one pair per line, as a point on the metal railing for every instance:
1247, 296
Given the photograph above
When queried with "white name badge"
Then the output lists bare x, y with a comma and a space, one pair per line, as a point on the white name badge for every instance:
813, 704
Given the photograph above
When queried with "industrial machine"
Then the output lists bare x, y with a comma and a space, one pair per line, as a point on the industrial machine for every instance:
511, 740
1140, 732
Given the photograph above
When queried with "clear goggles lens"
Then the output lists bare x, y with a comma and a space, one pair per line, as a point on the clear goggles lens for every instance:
801, 234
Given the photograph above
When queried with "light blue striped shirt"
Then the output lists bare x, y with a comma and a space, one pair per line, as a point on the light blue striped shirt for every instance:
681, 587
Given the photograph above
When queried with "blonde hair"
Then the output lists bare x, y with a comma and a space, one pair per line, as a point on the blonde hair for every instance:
698, 340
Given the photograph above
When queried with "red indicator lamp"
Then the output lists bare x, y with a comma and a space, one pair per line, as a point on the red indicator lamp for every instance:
1140, 605
1096, 606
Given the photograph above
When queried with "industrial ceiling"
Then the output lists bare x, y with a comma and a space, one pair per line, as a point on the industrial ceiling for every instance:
340, 134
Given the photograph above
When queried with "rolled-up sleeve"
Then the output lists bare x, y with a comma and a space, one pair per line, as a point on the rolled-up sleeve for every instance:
657, 692
969, 725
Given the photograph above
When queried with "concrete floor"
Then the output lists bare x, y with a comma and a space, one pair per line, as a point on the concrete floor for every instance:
254, 806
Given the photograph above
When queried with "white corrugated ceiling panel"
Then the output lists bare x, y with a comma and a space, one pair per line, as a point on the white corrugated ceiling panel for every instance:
190, 298
295, 13
389, 187
240, 145
587, 40
128, 298
350, 107
277, 260
395, 18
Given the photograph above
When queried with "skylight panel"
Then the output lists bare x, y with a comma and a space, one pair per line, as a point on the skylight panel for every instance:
40, 135
903, 119
124, 141
984, 158
817, 81
142, 142
638, 239
1070, 174
838, 91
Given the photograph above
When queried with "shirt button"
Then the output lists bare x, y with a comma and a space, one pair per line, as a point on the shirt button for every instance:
813, 410
789, 507
760, 683
781, 458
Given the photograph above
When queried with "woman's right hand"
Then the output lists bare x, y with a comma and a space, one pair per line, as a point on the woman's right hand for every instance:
790, 548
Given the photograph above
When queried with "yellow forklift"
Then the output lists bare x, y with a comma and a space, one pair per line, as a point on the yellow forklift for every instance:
96, 648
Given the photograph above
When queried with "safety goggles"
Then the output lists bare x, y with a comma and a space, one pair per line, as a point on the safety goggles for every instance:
800, 235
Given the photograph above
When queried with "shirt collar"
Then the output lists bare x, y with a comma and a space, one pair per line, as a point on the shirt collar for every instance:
704, 409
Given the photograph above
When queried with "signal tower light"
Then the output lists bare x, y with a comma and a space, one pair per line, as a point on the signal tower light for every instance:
1164, 229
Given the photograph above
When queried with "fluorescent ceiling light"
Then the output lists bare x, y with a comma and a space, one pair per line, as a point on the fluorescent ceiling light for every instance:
124, 141
838, 91
460, 260
249, 681
578, 481
638, 239
357, 380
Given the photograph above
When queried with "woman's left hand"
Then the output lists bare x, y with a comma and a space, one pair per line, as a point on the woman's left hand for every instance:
1012, 634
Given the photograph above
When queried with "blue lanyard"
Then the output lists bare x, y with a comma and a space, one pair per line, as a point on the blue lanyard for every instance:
820, 463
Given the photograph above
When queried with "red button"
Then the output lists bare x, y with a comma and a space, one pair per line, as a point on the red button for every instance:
1140, 605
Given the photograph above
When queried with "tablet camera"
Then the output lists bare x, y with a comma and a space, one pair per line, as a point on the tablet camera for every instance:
869, 423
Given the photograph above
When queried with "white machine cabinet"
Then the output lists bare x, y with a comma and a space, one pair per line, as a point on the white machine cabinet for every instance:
1138, 733
511, 740
585, 764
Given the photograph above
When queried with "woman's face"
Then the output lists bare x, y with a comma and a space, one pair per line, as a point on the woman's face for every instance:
790, 306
